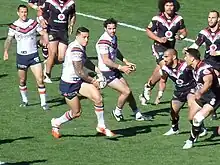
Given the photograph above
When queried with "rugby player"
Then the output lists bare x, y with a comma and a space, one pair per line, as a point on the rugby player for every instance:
207, 96
25, 32
164, 29
62, 18
75, 81
107, 51
210, 36
182, 76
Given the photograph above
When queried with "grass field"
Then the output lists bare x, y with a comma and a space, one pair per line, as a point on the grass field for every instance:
25, 132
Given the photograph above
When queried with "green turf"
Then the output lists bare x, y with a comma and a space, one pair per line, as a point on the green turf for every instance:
25, 132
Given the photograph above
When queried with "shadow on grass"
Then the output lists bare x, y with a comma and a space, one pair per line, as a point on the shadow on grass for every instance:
158, 112
3, 75
26, 162
58, 102
122, 133
12, 140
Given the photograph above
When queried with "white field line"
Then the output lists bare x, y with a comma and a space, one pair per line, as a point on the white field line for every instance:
120, 23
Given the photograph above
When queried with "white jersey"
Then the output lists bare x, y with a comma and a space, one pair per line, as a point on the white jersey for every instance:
106, 45
74, 52
25, 34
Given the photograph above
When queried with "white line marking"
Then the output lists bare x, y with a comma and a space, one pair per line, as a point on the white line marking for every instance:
120, 23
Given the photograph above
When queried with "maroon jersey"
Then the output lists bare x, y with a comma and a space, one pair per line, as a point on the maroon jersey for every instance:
59, 13
211, 40
165, 27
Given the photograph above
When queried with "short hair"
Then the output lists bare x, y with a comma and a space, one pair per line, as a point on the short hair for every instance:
215, 11
194, 53
110, 21
161, 4
22, 6
82, 29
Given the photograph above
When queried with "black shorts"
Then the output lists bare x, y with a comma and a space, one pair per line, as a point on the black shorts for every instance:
182, 95
70, 90
111, 75
158, 52
58, 35
209, 98
23, 62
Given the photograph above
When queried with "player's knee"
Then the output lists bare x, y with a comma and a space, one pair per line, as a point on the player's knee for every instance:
98, 99
198, 119
40, 81
126, 91
60, 58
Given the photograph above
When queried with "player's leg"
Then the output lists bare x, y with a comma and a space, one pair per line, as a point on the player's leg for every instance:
37, 71
161, 85
93, 94
22, 67
22, 74
124, 92
62, 46
175, 105
155, 77
52, 53
69, 91
133, 105
158, 52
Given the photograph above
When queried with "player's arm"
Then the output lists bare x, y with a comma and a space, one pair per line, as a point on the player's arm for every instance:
182, 32
111, 64
40, 12
78, 66
200, 39
206, 86
124, 60
76, 58
44, 34
31, 3
72, 19
151, 28
163, 80
91, 66
8, 41
7, 45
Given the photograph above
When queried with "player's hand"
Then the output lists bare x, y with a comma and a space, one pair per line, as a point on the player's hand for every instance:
198, 95
163, 39
177, 37
5, 56
184, 50
126, 69
95, 83
213, 53
70, 29
43, 23
131, 65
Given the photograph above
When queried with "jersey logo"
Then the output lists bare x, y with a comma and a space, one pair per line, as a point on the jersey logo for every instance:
61, 17
213, 47
169, 34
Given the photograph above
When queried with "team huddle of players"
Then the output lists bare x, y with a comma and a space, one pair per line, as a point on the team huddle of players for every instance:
196, 80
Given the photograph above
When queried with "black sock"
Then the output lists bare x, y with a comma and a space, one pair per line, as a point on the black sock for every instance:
175, 124
195, 132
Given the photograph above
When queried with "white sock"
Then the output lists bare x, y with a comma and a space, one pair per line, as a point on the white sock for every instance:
64, 118
118, 111
99, 111
42, 92
23, 91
